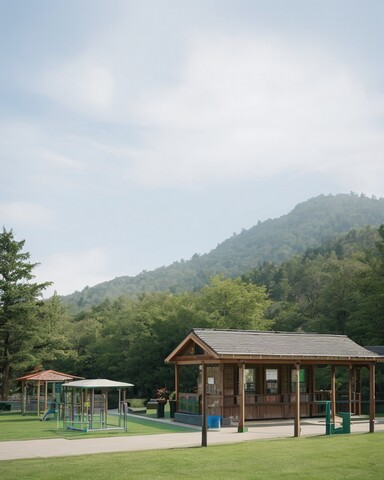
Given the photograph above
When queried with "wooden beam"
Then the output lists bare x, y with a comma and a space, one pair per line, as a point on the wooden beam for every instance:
177, 384
23, 397
297, 405
350, 389
241, 427
204, 405
333, 392
38, 398
372, 398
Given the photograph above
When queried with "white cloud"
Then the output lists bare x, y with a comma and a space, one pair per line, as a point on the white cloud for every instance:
251, 107
83, 84
61, 161
25, 213
72, 271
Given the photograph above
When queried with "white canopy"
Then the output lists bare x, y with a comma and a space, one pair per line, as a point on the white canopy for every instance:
97, 383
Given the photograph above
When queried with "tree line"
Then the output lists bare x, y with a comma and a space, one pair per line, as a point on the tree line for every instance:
336, 288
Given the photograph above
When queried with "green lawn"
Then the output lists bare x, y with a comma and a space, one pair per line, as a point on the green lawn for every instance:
339, 457
14, 426
336, 457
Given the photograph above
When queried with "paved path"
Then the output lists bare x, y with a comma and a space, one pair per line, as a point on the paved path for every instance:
62, 447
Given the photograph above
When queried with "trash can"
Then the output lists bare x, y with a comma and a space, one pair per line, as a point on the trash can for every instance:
214, 422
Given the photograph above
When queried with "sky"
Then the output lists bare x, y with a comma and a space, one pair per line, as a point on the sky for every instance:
137, 133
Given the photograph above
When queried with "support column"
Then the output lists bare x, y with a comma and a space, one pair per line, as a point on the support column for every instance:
372, 398
38, 398
241, 427
297, 405
313, 389
333, 392
358, 390
45, 396
204, 405
350, 389
177, 384
23, 398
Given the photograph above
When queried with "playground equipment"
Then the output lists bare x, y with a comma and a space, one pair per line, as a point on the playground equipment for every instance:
345, 418
48, 413
40, 389
85, 406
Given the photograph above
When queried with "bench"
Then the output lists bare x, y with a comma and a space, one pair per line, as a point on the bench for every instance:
137, 410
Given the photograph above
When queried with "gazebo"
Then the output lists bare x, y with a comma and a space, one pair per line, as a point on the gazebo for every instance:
85, 404
40, 389
253, 375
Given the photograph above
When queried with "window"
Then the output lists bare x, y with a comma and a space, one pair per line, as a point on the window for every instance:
303, 381
250, 380
272, 381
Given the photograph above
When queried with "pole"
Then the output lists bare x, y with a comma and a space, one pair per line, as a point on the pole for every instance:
297, 406
241, 428
204, 406
333, 392
372, 400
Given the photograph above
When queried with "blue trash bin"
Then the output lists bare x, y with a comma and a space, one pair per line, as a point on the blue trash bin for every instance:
214, 422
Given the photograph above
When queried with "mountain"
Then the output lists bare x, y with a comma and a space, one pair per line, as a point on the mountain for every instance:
309, 224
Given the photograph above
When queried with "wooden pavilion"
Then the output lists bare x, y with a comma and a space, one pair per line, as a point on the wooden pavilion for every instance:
253, 375
40, 388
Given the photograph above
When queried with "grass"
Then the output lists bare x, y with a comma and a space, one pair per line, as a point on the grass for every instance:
14, 426
339, 457
336, 457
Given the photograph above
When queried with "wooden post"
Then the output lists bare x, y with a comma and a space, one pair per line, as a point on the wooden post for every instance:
350, 389
297, 406
372, 398
23, 398
313, 389
333, 392
241, 427
38, 398
358, 390
177, 384
46, 396
204, 406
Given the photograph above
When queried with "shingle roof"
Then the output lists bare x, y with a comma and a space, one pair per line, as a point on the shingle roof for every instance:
281, 344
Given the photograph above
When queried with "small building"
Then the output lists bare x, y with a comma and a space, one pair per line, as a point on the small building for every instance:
254, 375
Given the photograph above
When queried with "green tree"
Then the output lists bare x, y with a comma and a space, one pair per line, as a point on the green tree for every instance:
20, 303
56, 348
367, 321
234, 303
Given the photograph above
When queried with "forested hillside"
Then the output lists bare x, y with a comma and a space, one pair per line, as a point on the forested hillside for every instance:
308, 225
334, 288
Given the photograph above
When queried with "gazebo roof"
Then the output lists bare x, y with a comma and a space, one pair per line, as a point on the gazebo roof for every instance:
259, 345
47, 376
97, 383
